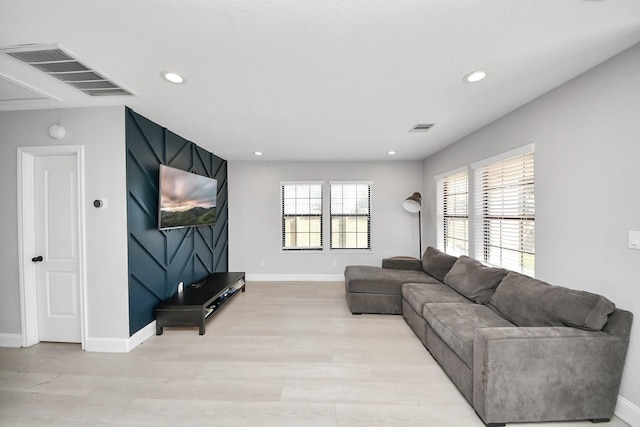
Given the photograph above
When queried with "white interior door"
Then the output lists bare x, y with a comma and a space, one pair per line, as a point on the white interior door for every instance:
57, 243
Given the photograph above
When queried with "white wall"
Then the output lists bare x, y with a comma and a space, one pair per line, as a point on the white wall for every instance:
587, 161
102, 132
255, 217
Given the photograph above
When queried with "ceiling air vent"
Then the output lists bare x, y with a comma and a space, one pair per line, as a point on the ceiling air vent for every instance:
421, 127
58, 63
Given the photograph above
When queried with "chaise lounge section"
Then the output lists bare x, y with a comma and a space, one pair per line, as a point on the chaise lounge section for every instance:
378, 290
517, 348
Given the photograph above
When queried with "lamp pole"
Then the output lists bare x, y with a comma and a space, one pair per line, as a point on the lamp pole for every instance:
420, 232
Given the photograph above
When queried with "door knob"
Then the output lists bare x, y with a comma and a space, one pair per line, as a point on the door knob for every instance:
37, 258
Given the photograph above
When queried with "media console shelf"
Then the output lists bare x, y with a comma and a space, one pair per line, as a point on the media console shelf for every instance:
198, 302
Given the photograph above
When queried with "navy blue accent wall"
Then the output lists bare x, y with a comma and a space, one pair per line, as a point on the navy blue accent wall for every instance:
159, 260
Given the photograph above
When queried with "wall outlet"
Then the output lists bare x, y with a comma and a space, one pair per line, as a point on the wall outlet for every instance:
334, 262
263, 263
180, 286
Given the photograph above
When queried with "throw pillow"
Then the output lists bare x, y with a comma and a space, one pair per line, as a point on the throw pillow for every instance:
473, 279
526, 301
436, 263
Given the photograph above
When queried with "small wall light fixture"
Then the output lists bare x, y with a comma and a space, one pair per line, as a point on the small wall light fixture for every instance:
57, 131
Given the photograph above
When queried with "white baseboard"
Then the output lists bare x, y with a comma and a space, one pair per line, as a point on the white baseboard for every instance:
106, 345
295, 277
120, 345
141, 336
10, 340
628, 412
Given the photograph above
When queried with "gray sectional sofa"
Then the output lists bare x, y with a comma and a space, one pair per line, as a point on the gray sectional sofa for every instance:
517, 348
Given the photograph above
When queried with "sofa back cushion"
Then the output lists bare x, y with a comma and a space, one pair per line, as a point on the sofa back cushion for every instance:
529, 302
436, 263
473, 279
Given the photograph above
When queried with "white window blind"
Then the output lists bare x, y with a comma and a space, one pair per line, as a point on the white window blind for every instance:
505, 208
453, 212
301, 216
350, 212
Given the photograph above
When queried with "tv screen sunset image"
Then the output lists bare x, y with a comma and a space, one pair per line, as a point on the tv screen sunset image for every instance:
186, 199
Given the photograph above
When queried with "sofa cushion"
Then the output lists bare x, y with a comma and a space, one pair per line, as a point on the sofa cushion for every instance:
436, 263
376, 280
402, 263
455, 324
419, 294
473, 279
530, 302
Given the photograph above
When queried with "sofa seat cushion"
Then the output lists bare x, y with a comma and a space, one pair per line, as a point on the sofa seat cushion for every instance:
473, 279
419, 294
530, 302
455, 324
376, 280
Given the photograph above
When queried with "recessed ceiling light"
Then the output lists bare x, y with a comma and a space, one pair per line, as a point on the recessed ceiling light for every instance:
172, 77
392, 153
475, 76
257, 153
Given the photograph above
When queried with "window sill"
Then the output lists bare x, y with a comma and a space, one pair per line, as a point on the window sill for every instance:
351, 251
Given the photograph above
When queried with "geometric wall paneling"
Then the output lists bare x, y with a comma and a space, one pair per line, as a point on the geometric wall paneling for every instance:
159, 260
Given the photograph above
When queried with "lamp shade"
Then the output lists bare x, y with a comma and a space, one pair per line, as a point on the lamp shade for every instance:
413, 203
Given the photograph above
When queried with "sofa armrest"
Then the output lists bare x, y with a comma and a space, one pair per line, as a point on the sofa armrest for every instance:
546, 373
402, 263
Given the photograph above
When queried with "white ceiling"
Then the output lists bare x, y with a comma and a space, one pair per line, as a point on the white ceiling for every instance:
316, 79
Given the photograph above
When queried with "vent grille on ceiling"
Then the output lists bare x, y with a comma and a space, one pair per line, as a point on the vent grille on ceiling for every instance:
421, 127
61, 65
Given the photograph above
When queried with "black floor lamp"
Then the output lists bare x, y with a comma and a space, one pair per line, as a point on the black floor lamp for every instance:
413, 204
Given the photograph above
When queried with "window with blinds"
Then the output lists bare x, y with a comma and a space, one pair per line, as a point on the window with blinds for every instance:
301, 216
350, 212
453, 212
505, 208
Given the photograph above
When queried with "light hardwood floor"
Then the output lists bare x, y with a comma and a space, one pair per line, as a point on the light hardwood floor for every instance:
280, 354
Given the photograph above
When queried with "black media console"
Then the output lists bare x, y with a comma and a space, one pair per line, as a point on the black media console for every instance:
198, 302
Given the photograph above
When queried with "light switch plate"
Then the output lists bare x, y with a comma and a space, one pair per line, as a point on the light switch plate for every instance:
634, 239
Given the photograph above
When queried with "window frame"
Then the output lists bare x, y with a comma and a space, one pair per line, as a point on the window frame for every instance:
495, 244
286, 216
443, 211
334, 215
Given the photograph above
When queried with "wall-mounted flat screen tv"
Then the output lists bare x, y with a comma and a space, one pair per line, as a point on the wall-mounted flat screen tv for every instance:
186, 199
